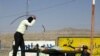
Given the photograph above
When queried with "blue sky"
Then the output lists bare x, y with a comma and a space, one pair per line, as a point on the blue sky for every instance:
53, 14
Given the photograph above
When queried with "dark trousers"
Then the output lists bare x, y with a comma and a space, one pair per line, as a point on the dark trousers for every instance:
19, 42
85, 54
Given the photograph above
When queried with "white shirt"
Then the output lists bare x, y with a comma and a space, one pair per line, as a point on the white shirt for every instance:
23, 25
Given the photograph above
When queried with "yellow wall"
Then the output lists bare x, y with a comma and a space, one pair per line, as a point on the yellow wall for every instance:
78, 42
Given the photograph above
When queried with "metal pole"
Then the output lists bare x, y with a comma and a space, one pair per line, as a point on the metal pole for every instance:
43, 31
27, 7
92, 26
43, 28
0, 44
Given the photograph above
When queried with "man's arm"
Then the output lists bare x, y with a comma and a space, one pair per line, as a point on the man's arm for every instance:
30, 24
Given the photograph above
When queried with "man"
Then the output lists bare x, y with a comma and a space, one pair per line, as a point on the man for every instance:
85, 52
18, 36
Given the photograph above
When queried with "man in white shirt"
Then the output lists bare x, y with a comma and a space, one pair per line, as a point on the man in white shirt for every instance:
18, 36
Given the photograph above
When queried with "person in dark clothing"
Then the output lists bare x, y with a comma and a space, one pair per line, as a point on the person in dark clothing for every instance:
18, 36
84, 51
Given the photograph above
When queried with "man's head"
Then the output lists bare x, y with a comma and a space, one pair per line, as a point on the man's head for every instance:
85, 47
30, 18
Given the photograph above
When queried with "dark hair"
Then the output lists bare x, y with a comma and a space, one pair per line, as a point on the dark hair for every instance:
31, 18
85, 47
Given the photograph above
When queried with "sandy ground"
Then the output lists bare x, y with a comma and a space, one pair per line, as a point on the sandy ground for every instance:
4, 52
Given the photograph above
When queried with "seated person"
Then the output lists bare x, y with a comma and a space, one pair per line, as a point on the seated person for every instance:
84, 51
